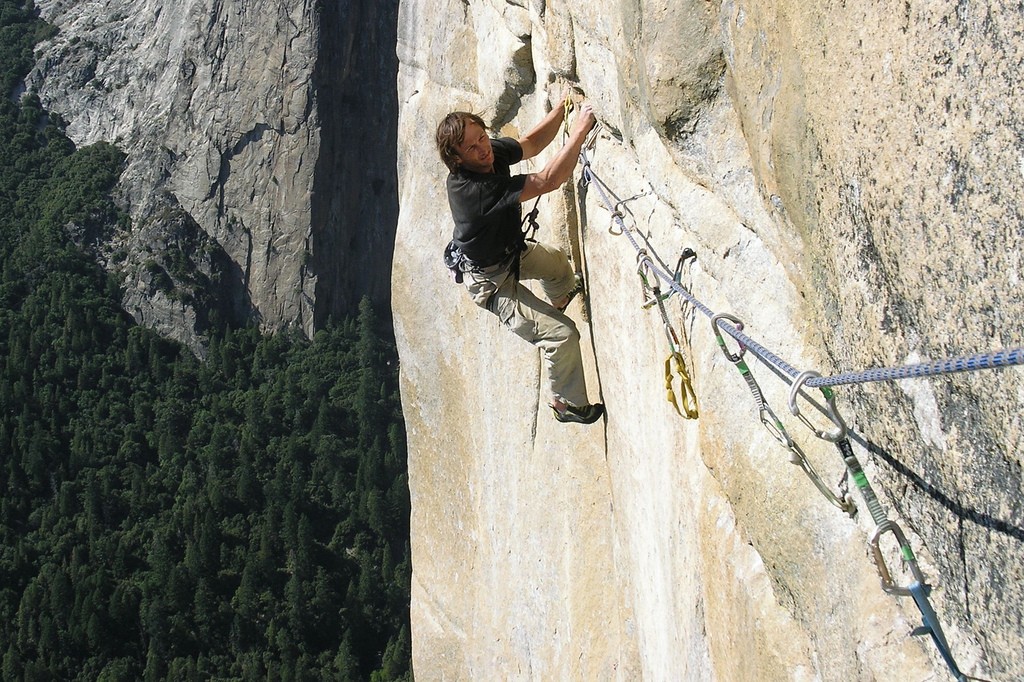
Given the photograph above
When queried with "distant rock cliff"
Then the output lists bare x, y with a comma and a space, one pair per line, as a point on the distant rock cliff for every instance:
849, 175
260, 174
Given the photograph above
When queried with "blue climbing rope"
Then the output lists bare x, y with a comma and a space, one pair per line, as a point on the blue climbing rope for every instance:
965, 363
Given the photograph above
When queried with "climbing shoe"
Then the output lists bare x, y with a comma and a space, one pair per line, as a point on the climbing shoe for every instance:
588, 414
577, 289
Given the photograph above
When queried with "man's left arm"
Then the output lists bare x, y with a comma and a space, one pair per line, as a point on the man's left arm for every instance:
541, 135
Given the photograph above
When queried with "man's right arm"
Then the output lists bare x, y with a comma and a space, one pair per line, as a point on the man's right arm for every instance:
559, 169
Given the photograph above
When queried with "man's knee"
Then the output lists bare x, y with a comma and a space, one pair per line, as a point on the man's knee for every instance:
561, 330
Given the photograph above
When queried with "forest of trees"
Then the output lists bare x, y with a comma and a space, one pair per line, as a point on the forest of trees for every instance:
242, 517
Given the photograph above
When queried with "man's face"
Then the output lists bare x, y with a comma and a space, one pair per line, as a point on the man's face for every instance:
474, 152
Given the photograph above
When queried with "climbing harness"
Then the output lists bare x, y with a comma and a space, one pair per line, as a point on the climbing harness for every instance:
458, 263
773, 424
686, 403
918, 589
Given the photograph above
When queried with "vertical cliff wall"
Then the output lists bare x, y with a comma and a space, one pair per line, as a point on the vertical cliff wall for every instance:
355, 192
260, 175
849, 176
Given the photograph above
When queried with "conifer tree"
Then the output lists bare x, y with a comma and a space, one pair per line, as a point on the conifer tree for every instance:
163, 517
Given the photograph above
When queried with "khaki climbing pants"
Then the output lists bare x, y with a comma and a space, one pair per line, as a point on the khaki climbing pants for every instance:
536, 320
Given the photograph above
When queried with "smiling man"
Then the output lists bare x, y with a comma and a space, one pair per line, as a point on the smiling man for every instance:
489, 246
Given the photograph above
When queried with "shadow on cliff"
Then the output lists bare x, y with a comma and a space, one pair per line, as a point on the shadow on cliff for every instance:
954, 506
354, 208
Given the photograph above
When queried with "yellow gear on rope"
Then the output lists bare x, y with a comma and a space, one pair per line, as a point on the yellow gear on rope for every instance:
686, 394
686, 402
567, 107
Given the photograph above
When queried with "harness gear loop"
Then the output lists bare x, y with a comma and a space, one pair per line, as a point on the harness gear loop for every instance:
833, 436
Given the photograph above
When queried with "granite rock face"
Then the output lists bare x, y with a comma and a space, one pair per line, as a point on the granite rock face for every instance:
849, 176
243, 120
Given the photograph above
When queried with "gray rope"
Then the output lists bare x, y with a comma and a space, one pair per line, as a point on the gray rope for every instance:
965, 363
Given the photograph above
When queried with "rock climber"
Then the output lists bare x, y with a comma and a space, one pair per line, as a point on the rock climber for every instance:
489, 245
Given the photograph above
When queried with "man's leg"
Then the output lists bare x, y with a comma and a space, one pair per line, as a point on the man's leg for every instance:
556, 335
551, 266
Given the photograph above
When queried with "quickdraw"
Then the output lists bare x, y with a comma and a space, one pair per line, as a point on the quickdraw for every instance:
918, 588
772, 422
529, 224
677, 276
685, 403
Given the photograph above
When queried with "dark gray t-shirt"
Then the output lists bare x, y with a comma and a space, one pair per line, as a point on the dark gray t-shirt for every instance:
485, 206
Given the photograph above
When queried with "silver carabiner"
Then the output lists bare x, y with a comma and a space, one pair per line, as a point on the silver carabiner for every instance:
905, 552
832, 412
721, 341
